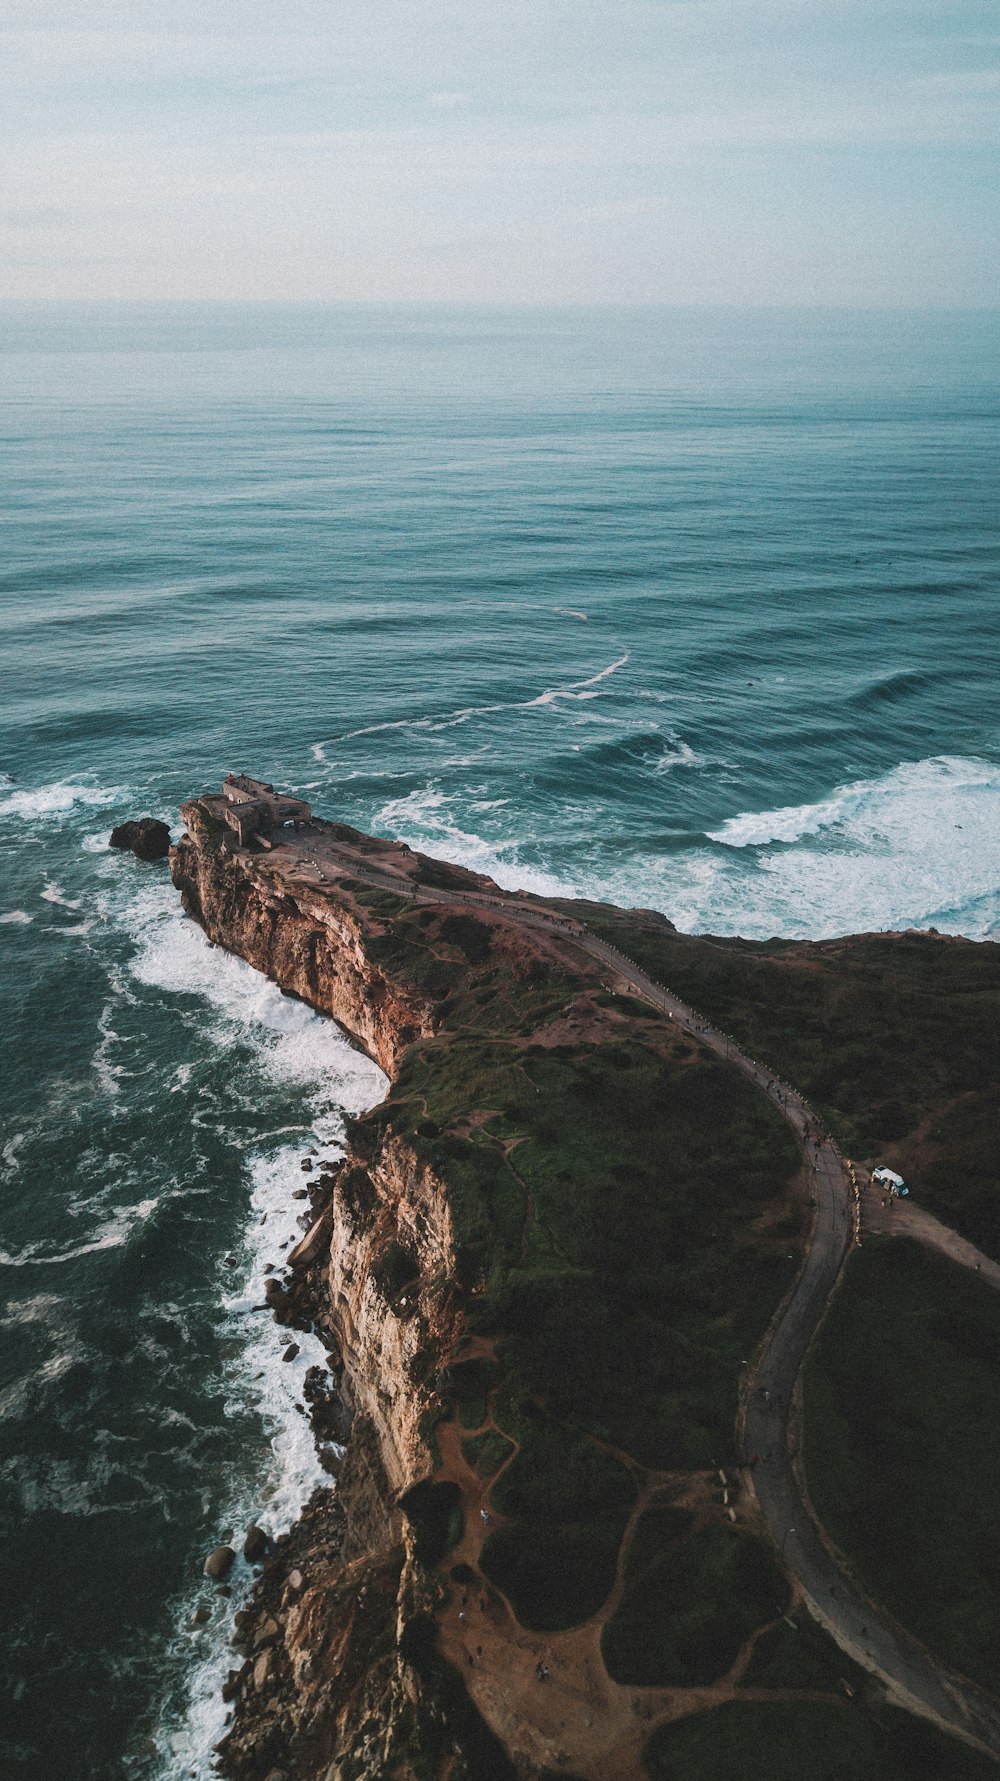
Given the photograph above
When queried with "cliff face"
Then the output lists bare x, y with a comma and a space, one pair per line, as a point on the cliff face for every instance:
336, 1684
304, 942
317, 948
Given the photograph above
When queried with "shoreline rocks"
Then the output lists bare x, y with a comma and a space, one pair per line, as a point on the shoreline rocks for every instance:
219, 1563
256, 1544
146, 837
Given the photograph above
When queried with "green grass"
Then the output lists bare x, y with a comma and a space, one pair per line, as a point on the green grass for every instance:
797, 1653
568, 1501
488, 1452
614, 1258
472, 937
902, 1444
880, 1031
469, 1382
642, 1249
380, 902
691, 1599
555, 1574
808, 1741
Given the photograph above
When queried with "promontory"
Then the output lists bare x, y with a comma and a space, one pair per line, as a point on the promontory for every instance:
648, 1393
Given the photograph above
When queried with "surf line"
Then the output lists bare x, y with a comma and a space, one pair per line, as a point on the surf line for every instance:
447, 720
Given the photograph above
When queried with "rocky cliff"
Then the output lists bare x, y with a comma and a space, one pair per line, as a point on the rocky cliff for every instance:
341, 1685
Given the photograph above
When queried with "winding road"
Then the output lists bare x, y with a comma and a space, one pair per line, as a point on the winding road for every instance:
912, 1678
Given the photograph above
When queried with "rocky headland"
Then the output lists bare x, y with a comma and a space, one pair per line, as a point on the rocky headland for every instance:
541, 1272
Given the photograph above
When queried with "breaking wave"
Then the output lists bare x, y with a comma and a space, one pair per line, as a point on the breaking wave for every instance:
916, 847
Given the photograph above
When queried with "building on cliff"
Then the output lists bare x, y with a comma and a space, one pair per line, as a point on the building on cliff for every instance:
253, 809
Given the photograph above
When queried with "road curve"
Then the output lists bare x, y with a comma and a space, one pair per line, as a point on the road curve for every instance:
912, 1677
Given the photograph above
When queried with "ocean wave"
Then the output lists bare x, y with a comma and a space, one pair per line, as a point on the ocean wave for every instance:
292, 1046
192, 1717
654, 751
115, 1232
574, 691
16, 918
916, 847
888, 689
291, 1043
54, 893
576, 688
427, 818
864, 803
58, 800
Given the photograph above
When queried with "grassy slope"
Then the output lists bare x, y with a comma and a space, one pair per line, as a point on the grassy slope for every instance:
809, 1741
692, 1595
895, 1039
902, 1443
617, 1231
606, 1191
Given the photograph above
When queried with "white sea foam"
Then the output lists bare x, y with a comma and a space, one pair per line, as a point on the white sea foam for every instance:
576, 688
291, 1045
107, 1073
36, 1310
681, 755
574, 691
55, 801
192, 1725
425, 818
54, 893
16, 918
916, 847
10, 1157
110, 1235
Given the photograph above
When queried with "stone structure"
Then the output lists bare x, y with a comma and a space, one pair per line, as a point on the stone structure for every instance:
253, 808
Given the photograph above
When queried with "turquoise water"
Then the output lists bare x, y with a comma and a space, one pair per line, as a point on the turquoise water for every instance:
689, 610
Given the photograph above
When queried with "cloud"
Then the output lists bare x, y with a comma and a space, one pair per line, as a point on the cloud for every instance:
340, 150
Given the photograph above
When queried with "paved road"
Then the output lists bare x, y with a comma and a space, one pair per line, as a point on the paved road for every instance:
910, 1675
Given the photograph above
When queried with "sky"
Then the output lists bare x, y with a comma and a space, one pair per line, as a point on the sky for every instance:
739, 152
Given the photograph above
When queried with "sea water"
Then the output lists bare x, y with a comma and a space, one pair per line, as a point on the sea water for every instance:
684, 609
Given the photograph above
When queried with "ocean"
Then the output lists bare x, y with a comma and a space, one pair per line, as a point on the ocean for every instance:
686, 609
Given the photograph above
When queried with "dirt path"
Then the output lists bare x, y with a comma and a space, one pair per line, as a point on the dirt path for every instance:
901, 1218
910, 1675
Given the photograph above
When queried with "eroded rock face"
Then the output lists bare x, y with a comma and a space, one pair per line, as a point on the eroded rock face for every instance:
147, 838
337, 1689
303, 941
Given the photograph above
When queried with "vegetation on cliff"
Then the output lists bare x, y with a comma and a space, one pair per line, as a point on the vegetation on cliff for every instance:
622, 1210
826, 1740
557, 1244
902, 1443
894, 1038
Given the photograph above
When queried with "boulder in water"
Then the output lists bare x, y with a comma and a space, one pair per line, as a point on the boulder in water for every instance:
217, 1563
256, 1544
148, 838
